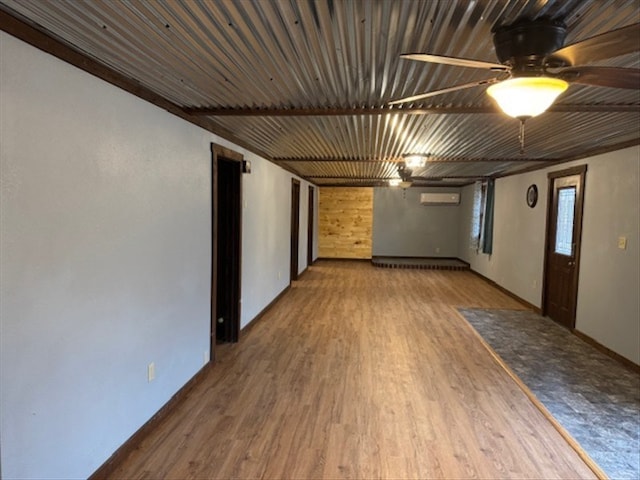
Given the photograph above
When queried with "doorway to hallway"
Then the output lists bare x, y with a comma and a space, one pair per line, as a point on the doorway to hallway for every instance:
226, 247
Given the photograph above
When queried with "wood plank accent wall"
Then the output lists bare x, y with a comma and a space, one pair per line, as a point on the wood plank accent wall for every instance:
345, 220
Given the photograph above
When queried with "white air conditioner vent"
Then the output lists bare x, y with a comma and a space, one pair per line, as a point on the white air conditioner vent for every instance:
440, 198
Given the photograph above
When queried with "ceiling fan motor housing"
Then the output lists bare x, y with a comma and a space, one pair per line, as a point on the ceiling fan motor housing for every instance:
524, 45
404, 172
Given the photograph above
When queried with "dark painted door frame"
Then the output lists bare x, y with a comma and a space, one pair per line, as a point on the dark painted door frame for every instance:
295, 228
310, 225
570, 264
221, 174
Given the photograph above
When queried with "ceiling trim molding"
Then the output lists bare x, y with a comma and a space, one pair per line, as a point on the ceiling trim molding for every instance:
385, 183
416, 178
591, 153
331, 111
13, 24
400, 160
359, 111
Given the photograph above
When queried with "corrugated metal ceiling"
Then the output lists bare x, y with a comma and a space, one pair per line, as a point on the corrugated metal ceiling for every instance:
337, 59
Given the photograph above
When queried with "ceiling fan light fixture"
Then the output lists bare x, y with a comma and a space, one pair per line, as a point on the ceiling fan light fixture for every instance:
414, 160
525, 97
406, 184
394, 182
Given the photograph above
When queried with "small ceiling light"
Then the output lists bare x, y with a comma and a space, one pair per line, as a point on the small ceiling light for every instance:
394, 182
406, 184
415, 160
525, 97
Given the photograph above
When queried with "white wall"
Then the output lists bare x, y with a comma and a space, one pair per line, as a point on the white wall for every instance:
609, 283
105, 249
608, 307
266, 234
402, 227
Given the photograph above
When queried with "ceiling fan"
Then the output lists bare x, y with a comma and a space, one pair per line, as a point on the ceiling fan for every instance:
404, 173
413, 162
406, 169
536, 67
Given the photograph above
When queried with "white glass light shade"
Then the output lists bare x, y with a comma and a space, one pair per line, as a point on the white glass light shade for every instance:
526, 96
415, 161
405, 184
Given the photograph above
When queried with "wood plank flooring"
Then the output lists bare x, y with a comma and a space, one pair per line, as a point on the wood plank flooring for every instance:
360, 372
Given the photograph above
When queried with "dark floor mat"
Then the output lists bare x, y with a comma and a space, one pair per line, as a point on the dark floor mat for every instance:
595, 398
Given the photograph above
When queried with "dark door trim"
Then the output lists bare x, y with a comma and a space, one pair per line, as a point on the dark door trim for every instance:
295, 229
310, 225
580, 170
220, 153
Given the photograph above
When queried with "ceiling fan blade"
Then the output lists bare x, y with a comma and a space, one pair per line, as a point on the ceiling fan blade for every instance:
601, 47
457, 61
602, 76
444, 90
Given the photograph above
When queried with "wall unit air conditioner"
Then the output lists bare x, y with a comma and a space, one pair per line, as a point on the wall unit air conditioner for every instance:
440, 198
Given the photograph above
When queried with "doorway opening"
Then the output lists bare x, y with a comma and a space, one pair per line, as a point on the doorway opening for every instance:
226, 247
562, 251
295, 228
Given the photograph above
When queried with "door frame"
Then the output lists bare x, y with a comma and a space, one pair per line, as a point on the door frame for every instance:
295, 230
310, 224
219, 152
580, 170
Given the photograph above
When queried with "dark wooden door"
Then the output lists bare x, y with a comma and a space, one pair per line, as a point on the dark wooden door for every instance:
310, 220
227, 245
295, 228
564, 228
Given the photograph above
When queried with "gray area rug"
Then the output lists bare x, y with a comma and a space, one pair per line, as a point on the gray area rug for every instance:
595, 398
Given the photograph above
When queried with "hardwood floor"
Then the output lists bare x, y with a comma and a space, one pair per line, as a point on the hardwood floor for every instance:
360, 372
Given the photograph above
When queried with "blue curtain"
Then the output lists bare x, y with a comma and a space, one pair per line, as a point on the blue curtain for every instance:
487, 244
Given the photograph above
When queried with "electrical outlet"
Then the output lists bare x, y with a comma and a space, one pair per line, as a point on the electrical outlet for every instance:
622, 243
437, 249
279, 275
205, 357
151, 372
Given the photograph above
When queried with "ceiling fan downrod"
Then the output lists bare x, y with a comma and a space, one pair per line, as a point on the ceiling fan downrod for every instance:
521, 134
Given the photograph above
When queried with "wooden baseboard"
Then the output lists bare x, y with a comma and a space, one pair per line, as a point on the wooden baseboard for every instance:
607, 351
259, 316
108, 467
530, 306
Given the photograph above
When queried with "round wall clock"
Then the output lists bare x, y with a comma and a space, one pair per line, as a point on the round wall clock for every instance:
532, 195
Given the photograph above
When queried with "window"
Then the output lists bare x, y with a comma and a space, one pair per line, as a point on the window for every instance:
477, 222
564, 223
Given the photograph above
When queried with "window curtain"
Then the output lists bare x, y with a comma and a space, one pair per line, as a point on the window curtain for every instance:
487, 244
476, 220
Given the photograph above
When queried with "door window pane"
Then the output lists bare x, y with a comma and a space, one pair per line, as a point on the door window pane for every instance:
564, 225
